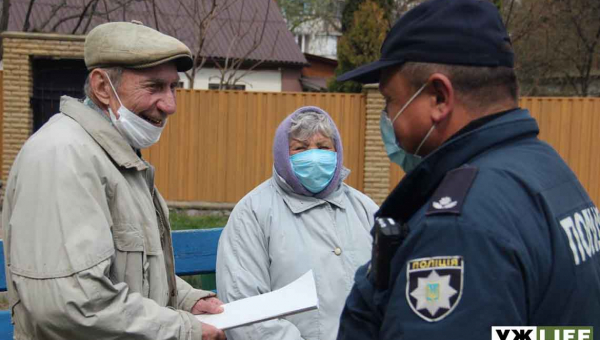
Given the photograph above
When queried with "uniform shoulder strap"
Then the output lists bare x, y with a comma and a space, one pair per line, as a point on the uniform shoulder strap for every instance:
450, 195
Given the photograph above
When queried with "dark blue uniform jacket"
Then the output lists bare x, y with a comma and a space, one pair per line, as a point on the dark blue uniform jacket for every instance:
501, 233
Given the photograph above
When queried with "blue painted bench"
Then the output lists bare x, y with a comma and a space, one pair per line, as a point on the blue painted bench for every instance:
195, 253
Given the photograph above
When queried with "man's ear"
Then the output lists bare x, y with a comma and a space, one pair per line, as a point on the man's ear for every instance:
444, 96
100, 86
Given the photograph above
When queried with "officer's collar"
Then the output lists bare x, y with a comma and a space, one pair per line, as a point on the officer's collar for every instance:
477, 123
416, 187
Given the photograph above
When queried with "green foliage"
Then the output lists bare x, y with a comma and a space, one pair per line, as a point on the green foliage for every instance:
352, 6
498, 4
361, 44
206, 281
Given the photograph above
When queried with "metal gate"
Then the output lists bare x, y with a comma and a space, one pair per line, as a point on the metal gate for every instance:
53, 78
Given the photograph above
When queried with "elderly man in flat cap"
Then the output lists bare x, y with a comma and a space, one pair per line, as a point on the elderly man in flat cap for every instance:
87, 237
489, 227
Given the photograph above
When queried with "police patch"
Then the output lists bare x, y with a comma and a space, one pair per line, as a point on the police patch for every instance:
434, 286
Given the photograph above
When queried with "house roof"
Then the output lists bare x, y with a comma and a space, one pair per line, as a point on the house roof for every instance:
235, 28
320, 59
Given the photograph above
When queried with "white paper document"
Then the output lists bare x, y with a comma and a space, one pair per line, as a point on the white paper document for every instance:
298, 296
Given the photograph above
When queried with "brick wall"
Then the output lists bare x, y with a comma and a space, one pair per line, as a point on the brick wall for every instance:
19, 49
377, 164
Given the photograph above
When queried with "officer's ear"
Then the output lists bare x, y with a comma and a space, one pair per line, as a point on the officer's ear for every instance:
99, 86
443, 97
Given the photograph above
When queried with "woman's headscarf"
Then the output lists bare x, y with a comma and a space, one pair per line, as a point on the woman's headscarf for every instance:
281, 155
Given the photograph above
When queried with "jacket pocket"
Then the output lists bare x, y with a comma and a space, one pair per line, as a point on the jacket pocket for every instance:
128, 239
130, 260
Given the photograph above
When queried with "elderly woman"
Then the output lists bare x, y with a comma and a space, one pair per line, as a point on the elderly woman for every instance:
302, 218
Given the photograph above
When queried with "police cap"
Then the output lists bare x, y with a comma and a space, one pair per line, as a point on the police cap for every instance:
455, 32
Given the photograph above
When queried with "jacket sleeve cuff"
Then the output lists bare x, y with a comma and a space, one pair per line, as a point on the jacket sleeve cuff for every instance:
193, 327
187, 296
192, 297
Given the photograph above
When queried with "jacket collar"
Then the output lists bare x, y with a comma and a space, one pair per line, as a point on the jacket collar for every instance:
103, 133
416, 187
299, 203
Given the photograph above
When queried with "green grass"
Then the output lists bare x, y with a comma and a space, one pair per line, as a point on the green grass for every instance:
181, 221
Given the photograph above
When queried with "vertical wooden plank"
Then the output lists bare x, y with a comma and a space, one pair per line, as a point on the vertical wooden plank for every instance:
210, 180
565, 131
261, 145
354, 137
252, 145
194, 160
241, 163
360, 110
348, 134
580, 107
224, 145
184, 143
199, 103
338, 108
594, 181
574, 136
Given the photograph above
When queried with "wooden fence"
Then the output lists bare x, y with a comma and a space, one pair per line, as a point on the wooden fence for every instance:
218, 146
572, 127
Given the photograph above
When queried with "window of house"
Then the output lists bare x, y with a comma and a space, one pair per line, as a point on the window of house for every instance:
303, 41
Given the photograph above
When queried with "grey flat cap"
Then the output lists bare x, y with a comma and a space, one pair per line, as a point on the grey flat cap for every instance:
133, 45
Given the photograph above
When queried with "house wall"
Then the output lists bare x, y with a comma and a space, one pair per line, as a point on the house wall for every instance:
316, 37
322, 44
319, 69
260, 80
19, 48
290, 80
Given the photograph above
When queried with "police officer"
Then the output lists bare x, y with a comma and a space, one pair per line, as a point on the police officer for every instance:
489, 227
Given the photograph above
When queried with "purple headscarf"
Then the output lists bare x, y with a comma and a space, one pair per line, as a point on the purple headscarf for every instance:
281, 155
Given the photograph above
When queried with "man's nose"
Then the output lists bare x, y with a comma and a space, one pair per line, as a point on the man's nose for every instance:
167, 103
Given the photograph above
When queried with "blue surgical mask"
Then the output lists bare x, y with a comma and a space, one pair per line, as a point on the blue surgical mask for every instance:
396, 154
314, 168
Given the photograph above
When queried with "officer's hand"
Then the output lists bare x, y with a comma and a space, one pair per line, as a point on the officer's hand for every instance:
212, 333
210, 305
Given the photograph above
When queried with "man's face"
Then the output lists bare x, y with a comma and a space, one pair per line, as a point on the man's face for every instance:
414, 122
149, 92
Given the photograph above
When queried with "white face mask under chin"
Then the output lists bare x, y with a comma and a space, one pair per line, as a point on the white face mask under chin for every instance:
139, 133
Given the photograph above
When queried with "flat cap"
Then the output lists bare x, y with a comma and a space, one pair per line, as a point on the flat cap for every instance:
133, 45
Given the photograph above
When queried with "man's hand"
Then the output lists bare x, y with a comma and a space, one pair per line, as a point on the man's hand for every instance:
211, 332
210, 305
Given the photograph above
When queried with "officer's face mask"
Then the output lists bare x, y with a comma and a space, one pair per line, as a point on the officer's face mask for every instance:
314, 168
395, 152
138, 132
